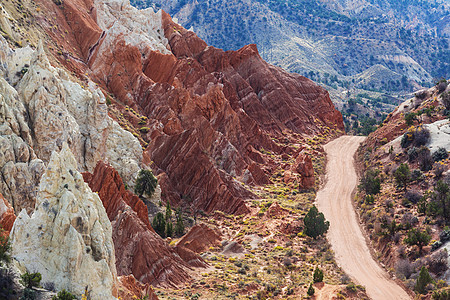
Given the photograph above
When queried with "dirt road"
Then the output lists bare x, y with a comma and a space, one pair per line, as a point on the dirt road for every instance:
345, 236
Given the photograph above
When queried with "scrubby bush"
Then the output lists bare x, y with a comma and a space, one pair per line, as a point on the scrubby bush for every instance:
416, 175
370, 182
30, 280
418, 238
441, 85
318, 275
315, 223
422, 281
28, 294
409, 118
441, 295
421, 136
413, 196
146, 183
412, 154
310, 291
440, 154
446, 100
402, 175
425, 160
64, 295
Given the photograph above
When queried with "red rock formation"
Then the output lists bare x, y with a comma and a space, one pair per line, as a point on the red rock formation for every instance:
7, 216
303, 166
199, 239
139, 250
210, 112
131, 289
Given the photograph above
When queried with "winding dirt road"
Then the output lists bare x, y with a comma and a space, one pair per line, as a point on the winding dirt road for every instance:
345, 236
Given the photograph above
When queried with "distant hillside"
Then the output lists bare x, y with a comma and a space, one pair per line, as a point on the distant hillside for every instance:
351, 47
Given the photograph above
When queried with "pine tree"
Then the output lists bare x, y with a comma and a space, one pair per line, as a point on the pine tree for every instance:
179, 226
146, 183
159, 224
315, 224
423, 280
318, 275
310, 291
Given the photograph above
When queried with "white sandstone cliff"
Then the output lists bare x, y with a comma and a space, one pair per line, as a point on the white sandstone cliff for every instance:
68, 238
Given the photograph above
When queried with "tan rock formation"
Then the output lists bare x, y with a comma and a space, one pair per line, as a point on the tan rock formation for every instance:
68, 238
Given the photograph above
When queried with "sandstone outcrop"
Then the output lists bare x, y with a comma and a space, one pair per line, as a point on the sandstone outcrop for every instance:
68, 238
139, 250
303, 166
44, 109
7, 216
131, 289
199, 239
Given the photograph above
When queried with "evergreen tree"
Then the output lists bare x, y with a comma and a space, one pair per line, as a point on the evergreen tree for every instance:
169, 229
417, 237
310, 291
318, 275
159, 224
402, 175
146, 183
30, 280
370, 182
423, 280
179, 226
315, 224
168, 212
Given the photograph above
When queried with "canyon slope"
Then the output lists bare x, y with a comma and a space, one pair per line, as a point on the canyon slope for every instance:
102, 89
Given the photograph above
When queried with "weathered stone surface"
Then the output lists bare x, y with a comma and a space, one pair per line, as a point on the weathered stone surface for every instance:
68, 238
7, 216
130, 289
210, 112
55, 109
199, 239
139, 250
303, 166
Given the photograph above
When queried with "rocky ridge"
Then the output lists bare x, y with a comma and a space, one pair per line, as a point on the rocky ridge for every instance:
139, 250
68, 238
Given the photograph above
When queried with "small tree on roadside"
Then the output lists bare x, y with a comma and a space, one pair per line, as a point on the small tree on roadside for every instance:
402, 175
423, 280
418, 238
310, 291
370, 182
318, 275
146, 183
315, 223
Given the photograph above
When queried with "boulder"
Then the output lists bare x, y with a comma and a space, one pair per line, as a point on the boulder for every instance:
303, 166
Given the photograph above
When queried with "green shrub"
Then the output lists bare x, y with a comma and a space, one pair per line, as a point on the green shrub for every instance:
370, 182
440, 154
422, 281
146, 183
318, 275
441, 295
30, 280
64, 295
409, 118
315, 224
310, 291
159, 224
418, 238
28, 294
402, 175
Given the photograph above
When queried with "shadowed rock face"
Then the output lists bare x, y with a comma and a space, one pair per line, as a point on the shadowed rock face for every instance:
209, 112
139, 250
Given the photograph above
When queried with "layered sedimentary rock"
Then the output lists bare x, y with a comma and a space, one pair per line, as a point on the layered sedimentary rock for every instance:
139, 250
44, 109
209, 112
199, 239
130, 289
68, 238
303, 166
7, 216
